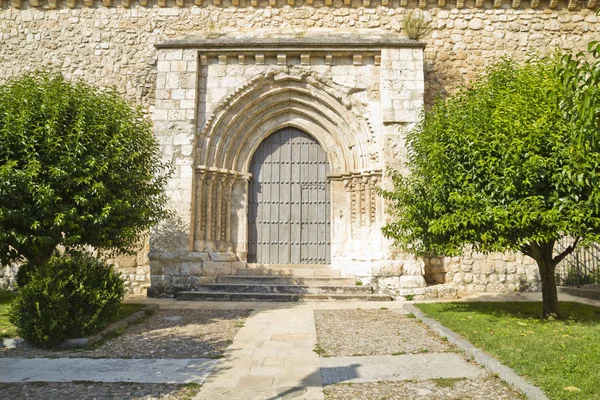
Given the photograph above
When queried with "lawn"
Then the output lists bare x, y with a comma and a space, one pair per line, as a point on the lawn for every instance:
8, 330
561, 357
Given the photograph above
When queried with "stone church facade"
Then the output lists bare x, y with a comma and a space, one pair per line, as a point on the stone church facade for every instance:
282, 119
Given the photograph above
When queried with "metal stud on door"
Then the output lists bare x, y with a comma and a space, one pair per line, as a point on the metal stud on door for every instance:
289, 206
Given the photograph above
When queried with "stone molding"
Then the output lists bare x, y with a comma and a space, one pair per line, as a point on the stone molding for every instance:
570, 5
300, 43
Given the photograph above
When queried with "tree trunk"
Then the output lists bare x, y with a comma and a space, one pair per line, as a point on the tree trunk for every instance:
549, 292
39, 259
542, 254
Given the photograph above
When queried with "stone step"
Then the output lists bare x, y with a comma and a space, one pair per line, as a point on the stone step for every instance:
284, 280
284, 297
288, 266
292, 289
296, 272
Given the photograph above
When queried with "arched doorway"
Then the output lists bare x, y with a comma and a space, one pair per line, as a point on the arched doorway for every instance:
289, 201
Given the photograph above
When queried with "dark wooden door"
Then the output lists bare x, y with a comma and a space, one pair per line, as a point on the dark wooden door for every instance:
289, 206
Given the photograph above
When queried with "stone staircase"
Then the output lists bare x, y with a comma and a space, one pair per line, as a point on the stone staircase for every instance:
283, 282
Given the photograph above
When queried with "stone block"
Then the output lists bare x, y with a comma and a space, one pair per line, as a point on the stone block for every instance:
156, 267
457, 278
412, 292
181, 282
487, 267
126, 261
160, 287
235, 265
466, 268
387, 284
412, 282
391, 268
196, 256
178, 66
174, 55
216, 268
222, 256
414, 267
191, 268
509, 257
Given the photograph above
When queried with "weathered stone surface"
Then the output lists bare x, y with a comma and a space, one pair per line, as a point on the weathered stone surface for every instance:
216, 268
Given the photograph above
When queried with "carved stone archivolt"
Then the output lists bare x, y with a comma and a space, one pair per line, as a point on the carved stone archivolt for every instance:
273, 100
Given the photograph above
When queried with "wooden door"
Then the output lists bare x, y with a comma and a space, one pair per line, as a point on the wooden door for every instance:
289, 205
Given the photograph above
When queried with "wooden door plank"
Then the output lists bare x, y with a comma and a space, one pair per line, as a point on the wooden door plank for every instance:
289, 200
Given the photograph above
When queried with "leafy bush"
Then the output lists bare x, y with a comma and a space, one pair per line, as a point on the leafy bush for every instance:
73, 296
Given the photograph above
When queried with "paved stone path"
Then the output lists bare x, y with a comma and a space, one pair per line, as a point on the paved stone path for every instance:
271, 358
105, 370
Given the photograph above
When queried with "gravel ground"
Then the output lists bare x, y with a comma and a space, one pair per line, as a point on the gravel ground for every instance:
166, 334
373, 332
450, 389
90, 391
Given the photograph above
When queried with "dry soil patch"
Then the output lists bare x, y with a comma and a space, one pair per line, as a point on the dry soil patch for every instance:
94, 391
447, 389
166, 334
373, 332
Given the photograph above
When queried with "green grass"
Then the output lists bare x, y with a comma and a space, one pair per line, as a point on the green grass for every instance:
446, 382
8, 330
320, 351
557, 356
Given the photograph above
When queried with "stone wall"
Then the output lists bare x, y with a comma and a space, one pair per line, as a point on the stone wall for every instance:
492, 273
134, 269
113, 44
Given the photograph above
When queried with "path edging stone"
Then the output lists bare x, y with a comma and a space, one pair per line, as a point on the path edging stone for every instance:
17, 343
490, 363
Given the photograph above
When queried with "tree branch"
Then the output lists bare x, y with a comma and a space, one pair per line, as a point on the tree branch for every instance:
565, 253
526, 249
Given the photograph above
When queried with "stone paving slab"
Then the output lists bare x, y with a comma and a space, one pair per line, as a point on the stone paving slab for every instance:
397, 368
271, 357
105, 370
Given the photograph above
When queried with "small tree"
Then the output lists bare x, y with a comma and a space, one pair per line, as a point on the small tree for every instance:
78, 166
498, 167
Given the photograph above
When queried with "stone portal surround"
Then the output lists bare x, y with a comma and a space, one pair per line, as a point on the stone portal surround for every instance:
337, 89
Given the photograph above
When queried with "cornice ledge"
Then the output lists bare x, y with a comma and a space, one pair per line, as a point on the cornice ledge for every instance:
331, 42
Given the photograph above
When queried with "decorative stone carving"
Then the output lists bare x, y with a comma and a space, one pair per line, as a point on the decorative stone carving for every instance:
213, 209
362, 198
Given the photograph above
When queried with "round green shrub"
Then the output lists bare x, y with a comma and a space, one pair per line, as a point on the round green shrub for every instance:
73, 296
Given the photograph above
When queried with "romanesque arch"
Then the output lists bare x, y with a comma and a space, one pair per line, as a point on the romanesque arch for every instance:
273, 101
